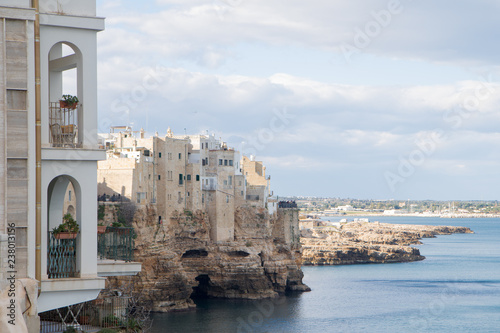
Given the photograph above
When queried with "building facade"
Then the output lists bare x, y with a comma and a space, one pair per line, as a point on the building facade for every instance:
189, 173
49, 151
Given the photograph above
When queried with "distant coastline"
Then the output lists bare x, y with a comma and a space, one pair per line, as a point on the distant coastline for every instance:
367, 242
446, 215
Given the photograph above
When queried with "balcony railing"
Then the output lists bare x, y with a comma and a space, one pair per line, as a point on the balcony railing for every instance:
61, 261
63, 126
116, 244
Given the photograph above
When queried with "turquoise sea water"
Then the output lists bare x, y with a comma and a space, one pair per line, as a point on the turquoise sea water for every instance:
455, 289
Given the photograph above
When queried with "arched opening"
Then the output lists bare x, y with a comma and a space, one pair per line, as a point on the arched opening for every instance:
63, 251
71, 210
65, 84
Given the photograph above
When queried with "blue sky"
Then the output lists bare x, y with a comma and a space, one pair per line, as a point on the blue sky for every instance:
392, 99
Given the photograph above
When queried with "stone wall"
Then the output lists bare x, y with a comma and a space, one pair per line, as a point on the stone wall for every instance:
286, 227
15, 135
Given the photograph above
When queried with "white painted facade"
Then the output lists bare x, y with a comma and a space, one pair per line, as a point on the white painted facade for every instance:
68, 41
71, 23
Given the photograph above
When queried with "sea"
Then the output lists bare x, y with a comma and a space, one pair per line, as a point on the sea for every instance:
455, 289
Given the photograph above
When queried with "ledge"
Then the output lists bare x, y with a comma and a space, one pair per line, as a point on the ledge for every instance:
57, 293
17, 13
106, 267
73, 154
69, 21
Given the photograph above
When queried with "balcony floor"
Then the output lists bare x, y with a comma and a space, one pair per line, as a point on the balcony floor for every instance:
109, 267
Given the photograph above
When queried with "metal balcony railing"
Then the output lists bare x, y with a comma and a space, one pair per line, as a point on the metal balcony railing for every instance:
117, 243
63, 126
61, 261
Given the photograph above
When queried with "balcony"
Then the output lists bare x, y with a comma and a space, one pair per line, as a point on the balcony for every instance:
115, 249
117, 243
63, 125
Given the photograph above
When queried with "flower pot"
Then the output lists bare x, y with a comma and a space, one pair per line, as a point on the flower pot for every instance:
66, 235
66, 105
101, 229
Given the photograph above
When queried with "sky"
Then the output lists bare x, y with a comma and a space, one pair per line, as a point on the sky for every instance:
393, 99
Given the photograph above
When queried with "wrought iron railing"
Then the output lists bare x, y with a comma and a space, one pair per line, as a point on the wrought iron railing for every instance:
63, 126
117, 243
61, 261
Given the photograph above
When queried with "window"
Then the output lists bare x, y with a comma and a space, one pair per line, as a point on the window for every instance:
230, 180
197, 178
188, 178
206, 160
69, 195
230, 162
225, 162
180, 156
188, 194
220, 162
227, 198
181, 179
159, 177
241, 193
159, 155
203, 162
203, 198
225, 182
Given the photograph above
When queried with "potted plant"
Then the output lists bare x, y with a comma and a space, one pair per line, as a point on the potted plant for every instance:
101, 228
68, 102
68, 229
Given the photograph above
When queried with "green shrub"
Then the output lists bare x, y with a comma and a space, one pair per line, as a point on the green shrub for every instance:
100, 213
111, 320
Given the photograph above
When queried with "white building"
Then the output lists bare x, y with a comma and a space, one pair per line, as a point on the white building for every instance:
50, 147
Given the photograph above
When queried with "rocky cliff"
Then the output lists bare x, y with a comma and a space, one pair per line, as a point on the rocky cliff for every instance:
179, 260
360, 243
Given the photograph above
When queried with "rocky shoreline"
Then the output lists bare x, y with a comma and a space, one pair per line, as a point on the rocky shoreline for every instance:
179, 261
363, 243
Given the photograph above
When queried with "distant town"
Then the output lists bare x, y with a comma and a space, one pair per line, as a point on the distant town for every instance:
337, 206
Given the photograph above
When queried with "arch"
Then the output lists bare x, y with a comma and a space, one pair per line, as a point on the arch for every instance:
66, 127
63, 256
56, 193
71, 210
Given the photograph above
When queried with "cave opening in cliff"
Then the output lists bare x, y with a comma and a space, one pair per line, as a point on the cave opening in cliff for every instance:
199, 253
201, 291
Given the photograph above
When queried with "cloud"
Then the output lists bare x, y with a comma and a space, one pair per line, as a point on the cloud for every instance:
463, 33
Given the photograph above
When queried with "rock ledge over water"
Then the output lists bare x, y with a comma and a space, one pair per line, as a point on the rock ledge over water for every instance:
366, 243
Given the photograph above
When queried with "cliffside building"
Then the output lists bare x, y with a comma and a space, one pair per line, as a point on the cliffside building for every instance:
183, 173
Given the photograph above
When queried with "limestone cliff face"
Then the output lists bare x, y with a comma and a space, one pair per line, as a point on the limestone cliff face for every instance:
360, 243
179, 259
